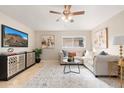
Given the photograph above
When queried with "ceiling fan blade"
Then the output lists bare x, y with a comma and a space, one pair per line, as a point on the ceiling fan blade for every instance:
54, 12
78, 13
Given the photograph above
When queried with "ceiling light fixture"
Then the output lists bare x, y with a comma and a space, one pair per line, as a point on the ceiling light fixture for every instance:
67, 14
66, 18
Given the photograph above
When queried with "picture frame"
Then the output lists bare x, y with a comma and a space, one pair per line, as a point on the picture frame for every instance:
101, 38
11, 37
48, 41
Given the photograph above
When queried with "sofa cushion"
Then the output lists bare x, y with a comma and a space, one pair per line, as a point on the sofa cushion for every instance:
79, 58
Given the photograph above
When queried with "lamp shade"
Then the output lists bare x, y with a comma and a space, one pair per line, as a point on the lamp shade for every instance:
118, 40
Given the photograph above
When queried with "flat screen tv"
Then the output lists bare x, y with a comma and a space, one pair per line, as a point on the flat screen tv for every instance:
13, 38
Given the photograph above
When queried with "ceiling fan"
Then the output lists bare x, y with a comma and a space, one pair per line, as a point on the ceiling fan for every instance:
67, 13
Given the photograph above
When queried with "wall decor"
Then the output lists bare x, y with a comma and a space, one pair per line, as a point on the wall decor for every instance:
12, 37
101, 38
48, 41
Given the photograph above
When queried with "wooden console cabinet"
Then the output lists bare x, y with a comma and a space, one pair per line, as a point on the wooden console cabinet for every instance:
13, 64
30, 59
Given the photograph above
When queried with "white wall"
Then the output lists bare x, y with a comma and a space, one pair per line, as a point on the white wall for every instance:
6, 20
115, 28
53, 53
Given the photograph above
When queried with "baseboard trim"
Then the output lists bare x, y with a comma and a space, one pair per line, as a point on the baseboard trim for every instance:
105, 76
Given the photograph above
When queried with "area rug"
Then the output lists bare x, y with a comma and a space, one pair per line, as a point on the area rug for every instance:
51, 76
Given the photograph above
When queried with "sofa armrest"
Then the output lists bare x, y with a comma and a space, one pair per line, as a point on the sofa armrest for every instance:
61, 56
101, 64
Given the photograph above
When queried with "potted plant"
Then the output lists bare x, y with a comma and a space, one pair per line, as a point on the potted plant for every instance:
38, 52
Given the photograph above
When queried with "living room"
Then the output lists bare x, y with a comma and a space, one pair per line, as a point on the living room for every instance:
78, 37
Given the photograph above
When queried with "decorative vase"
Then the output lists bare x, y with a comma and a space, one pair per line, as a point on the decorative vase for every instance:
70, 59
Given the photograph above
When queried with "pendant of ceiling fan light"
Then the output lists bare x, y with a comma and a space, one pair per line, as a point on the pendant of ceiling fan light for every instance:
63, 17
71, 20
66, 18
57, 20
69, 17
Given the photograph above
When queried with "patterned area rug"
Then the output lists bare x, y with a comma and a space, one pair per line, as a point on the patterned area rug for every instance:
51, 76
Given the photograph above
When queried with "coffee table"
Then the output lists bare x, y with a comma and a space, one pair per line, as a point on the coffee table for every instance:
69, 64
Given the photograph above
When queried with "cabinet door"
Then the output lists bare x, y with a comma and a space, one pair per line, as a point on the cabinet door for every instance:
30, 59
12, 65
21, 62
33, 57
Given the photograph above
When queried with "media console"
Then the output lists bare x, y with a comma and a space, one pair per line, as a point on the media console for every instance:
13, 64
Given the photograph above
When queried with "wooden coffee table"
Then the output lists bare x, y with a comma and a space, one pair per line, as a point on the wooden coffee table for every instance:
72, 63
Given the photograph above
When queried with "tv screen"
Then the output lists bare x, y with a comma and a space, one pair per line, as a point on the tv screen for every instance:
13, 38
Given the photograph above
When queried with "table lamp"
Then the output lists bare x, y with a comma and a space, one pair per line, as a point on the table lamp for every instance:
119, 40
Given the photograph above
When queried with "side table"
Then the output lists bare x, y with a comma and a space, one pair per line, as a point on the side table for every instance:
111, 68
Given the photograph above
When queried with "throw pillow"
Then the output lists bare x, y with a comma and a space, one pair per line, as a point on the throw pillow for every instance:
84, 52
87, 54
103, 53
65, 53
94, 58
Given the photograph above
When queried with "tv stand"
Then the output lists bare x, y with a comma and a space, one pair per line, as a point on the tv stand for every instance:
15, 63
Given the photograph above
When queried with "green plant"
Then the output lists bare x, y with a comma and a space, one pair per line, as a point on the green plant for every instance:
38, 52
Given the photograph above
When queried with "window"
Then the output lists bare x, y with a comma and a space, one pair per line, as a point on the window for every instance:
73, 42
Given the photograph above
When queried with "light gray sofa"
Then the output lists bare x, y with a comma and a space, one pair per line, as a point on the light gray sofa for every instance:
99, 64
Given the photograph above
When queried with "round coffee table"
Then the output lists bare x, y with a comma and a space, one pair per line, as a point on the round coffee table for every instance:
69, 64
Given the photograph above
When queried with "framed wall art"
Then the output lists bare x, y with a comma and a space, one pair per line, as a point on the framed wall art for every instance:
48, 41
101, 38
